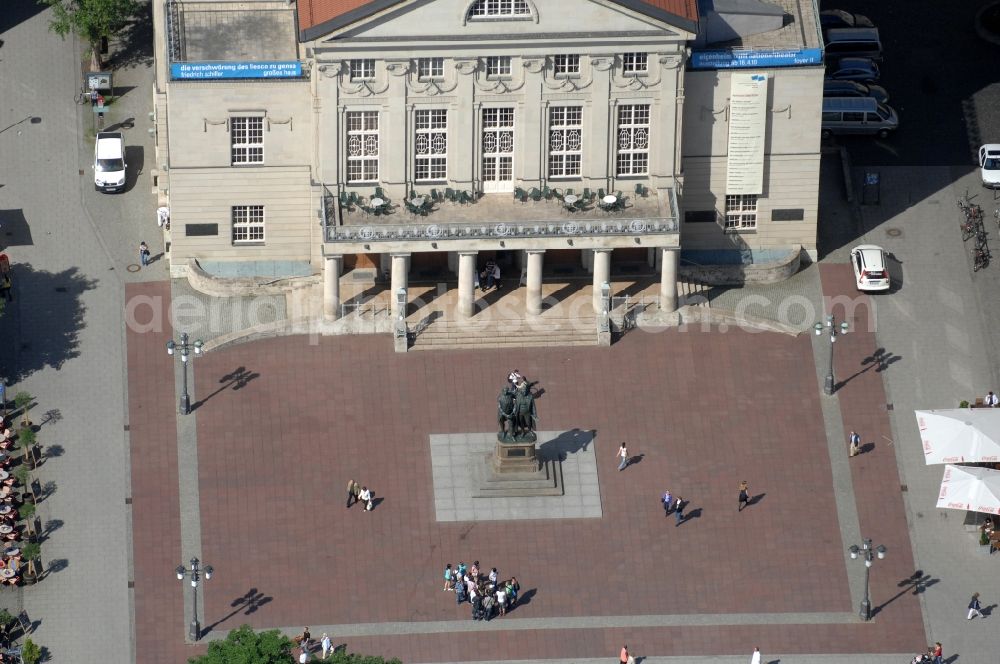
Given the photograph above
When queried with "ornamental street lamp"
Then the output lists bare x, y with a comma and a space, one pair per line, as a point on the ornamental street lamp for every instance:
194, 632
834, 331
867, 554
185, 349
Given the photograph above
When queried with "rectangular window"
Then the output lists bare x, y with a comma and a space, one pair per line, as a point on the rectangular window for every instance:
430, 68
497, 8
741, 212
566, 65
362, 146
633, 139
248, 223
362, 70
565, 141
431, 145
497, 66
634, 63
246, 136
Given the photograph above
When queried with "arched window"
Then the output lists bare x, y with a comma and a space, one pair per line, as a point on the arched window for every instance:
499, 9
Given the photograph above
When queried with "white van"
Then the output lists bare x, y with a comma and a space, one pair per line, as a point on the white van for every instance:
857, 115
109, 161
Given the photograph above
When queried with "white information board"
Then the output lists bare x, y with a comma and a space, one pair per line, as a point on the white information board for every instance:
747, 128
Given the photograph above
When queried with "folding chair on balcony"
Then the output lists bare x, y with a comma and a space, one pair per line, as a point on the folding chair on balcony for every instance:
345, 203
536, 194
379, 194
465, 198
640, 190
435, 195
519, 195
450, 195
586, 193
546, 192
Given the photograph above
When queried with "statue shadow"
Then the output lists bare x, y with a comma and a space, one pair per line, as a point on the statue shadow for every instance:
566, 443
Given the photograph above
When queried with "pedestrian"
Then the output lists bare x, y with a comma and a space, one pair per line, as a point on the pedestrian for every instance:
303, 656
357, 492
368, 496
144, 253
513, 587
352, 493
938, 653
501, 595
623, 453
974, 607
679, 511
494, 577
306, 639
326, 645
992, 400
755, 658
744, 495
855, 444
623, 657
461, 569
474, 570
459, 590
668, 502
448, 582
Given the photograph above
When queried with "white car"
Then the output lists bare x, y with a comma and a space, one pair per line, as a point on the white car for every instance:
989, 165
109, 161
870, 273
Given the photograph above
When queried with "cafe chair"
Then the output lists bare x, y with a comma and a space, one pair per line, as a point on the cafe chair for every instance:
600, 194
519, 195
536, 194
586, 193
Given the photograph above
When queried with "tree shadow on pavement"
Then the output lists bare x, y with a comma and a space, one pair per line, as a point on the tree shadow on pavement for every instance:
134, 46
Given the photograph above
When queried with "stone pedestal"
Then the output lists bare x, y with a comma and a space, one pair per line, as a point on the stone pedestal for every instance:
515, 458
515, 470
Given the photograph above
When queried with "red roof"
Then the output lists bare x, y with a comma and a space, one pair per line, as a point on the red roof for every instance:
313, 13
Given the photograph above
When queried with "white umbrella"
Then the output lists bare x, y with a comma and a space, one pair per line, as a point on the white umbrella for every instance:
960, 435
970, 488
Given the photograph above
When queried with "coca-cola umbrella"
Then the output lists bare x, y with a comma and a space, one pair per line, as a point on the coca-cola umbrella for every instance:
970, 488
960, 435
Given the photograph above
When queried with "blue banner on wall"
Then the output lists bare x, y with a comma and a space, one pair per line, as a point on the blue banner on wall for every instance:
222, 70
727, 59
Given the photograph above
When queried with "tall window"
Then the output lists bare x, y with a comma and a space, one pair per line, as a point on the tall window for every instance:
362, 70
499, 8
248, 223
362, 146
246, 136
431, 144
430, 68
634, 63
741, 211
497, 66
633, 139
566, 65
565, 141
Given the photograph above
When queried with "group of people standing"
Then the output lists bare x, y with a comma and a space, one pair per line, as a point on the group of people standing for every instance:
360, 494
487, 593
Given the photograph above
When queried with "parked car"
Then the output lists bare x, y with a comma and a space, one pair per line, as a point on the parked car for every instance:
989, 165
852, 43
855, 89
857, 115
109, 161
863, 70
838, 18
870, 273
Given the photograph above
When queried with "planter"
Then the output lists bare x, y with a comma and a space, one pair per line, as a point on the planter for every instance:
29, 578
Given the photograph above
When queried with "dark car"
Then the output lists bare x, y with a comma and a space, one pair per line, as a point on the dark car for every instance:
845, 88
838, 18
863, 70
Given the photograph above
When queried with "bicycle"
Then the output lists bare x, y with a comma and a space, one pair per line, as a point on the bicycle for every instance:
83, 97
980, 258
970, 229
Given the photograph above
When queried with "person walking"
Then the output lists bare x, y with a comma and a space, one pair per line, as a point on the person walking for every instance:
352, 492
855, 444
974, 607
679, 511
623, 453
992, 400
144, 253
623, 656
744, 495
668, 502
325, 644
938, 653
306, 639
449, 583
755, 657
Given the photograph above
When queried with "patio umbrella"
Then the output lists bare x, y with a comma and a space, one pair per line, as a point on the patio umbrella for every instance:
970, 488
960, 435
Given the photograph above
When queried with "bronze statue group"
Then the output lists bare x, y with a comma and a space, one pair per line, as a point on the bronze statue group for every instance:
516, 413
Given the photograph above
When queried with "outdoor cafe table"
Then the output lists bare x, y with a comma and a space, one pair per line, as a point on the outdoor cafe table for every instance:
6, 530
8, 573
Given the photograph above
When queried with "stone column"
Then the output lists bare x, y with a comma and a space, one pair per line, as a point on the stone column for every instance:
602, 273
533, 301
400, 270
466, 282
332, 266
669, 260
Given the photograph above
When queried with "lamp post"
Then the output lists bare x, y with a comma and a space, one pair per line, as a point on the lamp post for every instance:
867, 553
195, 571
834, 330
185, 349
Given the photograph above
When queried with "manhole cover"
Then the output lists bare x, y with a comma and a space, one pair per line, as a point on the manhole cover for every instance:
133, 267
894, 232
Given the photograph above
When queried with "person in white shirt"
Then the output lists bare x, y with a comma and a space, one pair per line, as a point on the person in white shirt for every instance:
325, 643
755, 659
502, 601
366, 498
992, 400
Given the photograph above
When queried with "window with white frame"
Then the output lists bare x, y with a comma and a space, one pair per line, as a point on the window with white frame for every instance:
362, 146
430, 68
248, 223
362, 70
246, 136
566, 65
499, 9
633, 139
565, 141
431, 144
741, 212
497, 66
634, 63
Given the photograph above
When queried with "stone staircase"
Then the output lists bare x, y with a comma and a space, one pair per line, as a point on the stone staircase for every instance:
543, 331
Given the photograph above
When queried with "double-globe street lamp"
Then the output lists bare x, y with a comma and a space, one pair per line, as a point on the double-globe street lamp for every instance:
867, 553
195, 572
834, 331
184, 349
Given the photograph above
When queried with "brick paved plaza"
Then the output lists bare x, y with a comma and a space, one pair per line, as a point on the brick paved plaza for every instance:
703, 410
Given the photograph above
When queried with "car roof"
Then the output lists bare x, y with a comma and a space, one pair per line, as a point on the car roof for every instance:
110, 145
835, 83
855, 63
992, 149
873, 255
851, 34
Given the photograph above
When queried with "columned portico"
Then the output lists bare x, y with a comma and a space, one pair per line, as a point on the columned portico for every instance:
332, 267
669, 260
466, 282
602, 274
534, 297
400, 271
